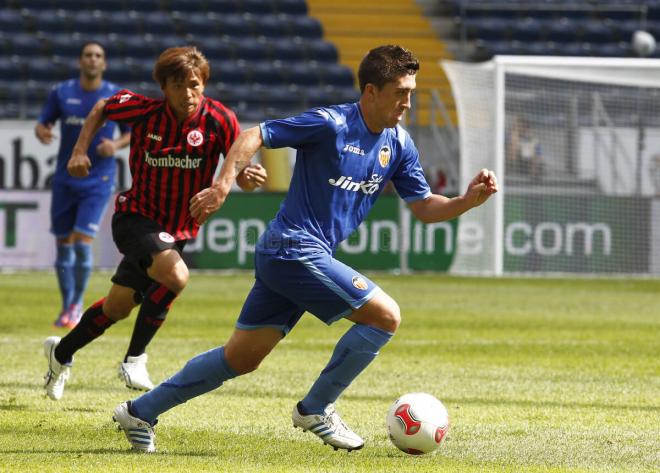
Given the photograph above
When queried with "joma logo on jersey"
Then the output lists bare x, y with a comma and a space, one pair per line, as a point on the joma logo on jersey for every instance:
354, 150
368, 187
155, 137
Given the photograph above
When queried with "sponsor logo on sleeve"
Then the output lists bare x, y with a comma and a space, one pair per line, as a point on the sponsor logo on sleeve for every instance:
360, 283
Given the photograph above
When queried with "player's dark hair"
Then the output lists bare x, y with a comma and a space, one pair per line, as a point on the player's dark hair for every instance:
87, 43
386, 64
177, 62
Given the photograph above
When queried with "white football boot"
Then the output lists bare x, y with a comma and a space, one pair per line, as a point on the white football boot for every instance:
57, 374
328, 427
134, 373
140, 434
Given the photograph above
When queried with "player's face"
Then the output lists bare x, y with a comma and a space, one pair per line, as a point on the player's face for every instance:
393, 100
184, 96
92, 61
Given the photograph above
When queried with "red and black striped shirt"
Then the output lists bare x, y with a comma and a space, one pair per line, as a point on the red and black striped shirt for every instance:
170, 162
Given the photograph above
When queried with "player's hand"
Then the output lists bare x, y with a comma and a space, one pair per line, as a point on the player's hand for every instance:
481, 187
251, 177
44, 133
106, 148
78, 165
204, 203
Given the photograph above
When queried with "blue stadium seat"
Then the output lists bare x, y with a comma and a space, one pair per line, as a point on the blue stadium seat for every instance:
214, 49
319, 50
218, 6
49, 21
489, 28
38, 4
301, 73
319, 96
267, 73
235, 24
230, 72
258, 7
271, 25
11, 21
88, 21
45, 68
286, 49
138, 46
597, 31
157, 23
563, 30
147, 6
292, 7
11, 69
528, 29
121, 22
250, 49
198, 23
335, 74
305, 26
27, 44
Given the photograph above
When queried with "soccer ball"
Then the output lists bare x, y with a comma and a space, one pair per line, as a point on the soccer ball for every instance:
417, 423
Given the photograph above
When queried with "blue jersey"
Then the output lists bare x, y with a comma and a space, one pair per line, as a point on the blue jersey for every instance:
70, 103
341, 168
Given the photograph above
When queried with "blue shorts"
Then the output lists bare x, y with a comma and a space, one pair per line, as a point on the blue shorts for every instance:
284, 289
77, 208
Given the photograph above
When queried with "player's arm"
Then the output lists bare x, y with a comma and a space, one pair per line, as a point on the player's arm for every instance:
437, 208
107, 147
79, 163
251, 177
44, 133
207, 201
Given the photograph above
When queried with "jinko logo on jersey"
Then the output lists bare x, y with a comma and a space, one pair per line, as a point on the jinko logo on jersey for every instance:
368, 187
170, 161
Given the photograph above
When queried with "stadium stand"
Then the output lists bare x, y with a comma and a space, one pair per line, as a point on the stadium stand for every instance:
268, 57
554, 27
355, 27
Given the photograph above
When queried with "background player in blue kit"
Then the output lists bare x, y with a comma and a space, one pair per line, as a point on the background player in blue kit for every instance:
345, 156
77, 205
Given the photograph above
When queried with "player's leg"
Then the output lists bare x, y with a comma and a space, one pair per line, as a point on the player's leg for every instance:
332, 290
265, 318
92, 203
94, 322
168, 276
62, 214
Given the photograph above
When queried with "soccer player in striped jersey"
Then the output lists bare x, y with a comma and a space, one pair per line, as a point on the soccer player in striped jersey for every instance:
176, 143
345, 156
77, 205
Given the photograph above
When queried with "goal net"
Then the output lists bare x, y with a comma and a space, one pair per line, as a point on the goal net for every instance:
575, 143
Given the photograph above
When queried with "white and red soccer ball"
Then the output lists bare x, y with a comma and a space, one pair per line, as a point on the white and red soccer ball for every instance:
417, 423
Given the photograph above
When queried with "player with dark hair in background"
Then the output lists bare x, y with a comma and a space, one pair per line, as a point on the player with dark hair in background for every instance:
176, 143
77, 205
345, 156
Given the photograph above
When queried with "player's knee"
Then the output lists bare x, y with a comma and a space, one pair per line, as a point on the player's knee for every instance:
176, 279
390, 317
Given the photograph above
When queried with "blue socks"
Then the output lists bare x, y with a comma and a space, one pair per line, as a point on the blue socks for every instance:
64, 263
201, 374
81, 270
353, 353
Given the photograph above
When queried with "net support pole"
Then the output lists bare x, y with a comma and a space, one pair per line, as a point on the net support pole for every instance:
498, 148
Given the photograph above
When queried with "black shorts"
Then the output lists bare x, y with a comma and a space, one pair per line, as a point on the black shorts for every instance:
138, 238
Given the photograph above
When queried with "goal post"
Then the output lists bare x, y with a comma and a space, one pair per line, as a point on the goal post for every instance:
575, 143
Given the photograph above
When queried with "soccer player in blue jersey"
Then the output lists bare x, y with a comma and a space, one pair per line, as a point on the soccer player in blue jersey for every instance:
77, 205
345, 156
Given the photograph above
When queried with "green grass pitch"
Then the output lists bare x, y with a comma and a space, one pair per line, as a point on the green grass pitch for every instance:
538, 375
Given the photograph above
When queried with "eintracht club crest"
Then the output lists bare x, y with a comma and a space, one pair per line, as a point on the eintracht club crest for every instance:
384, 156
195, 138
